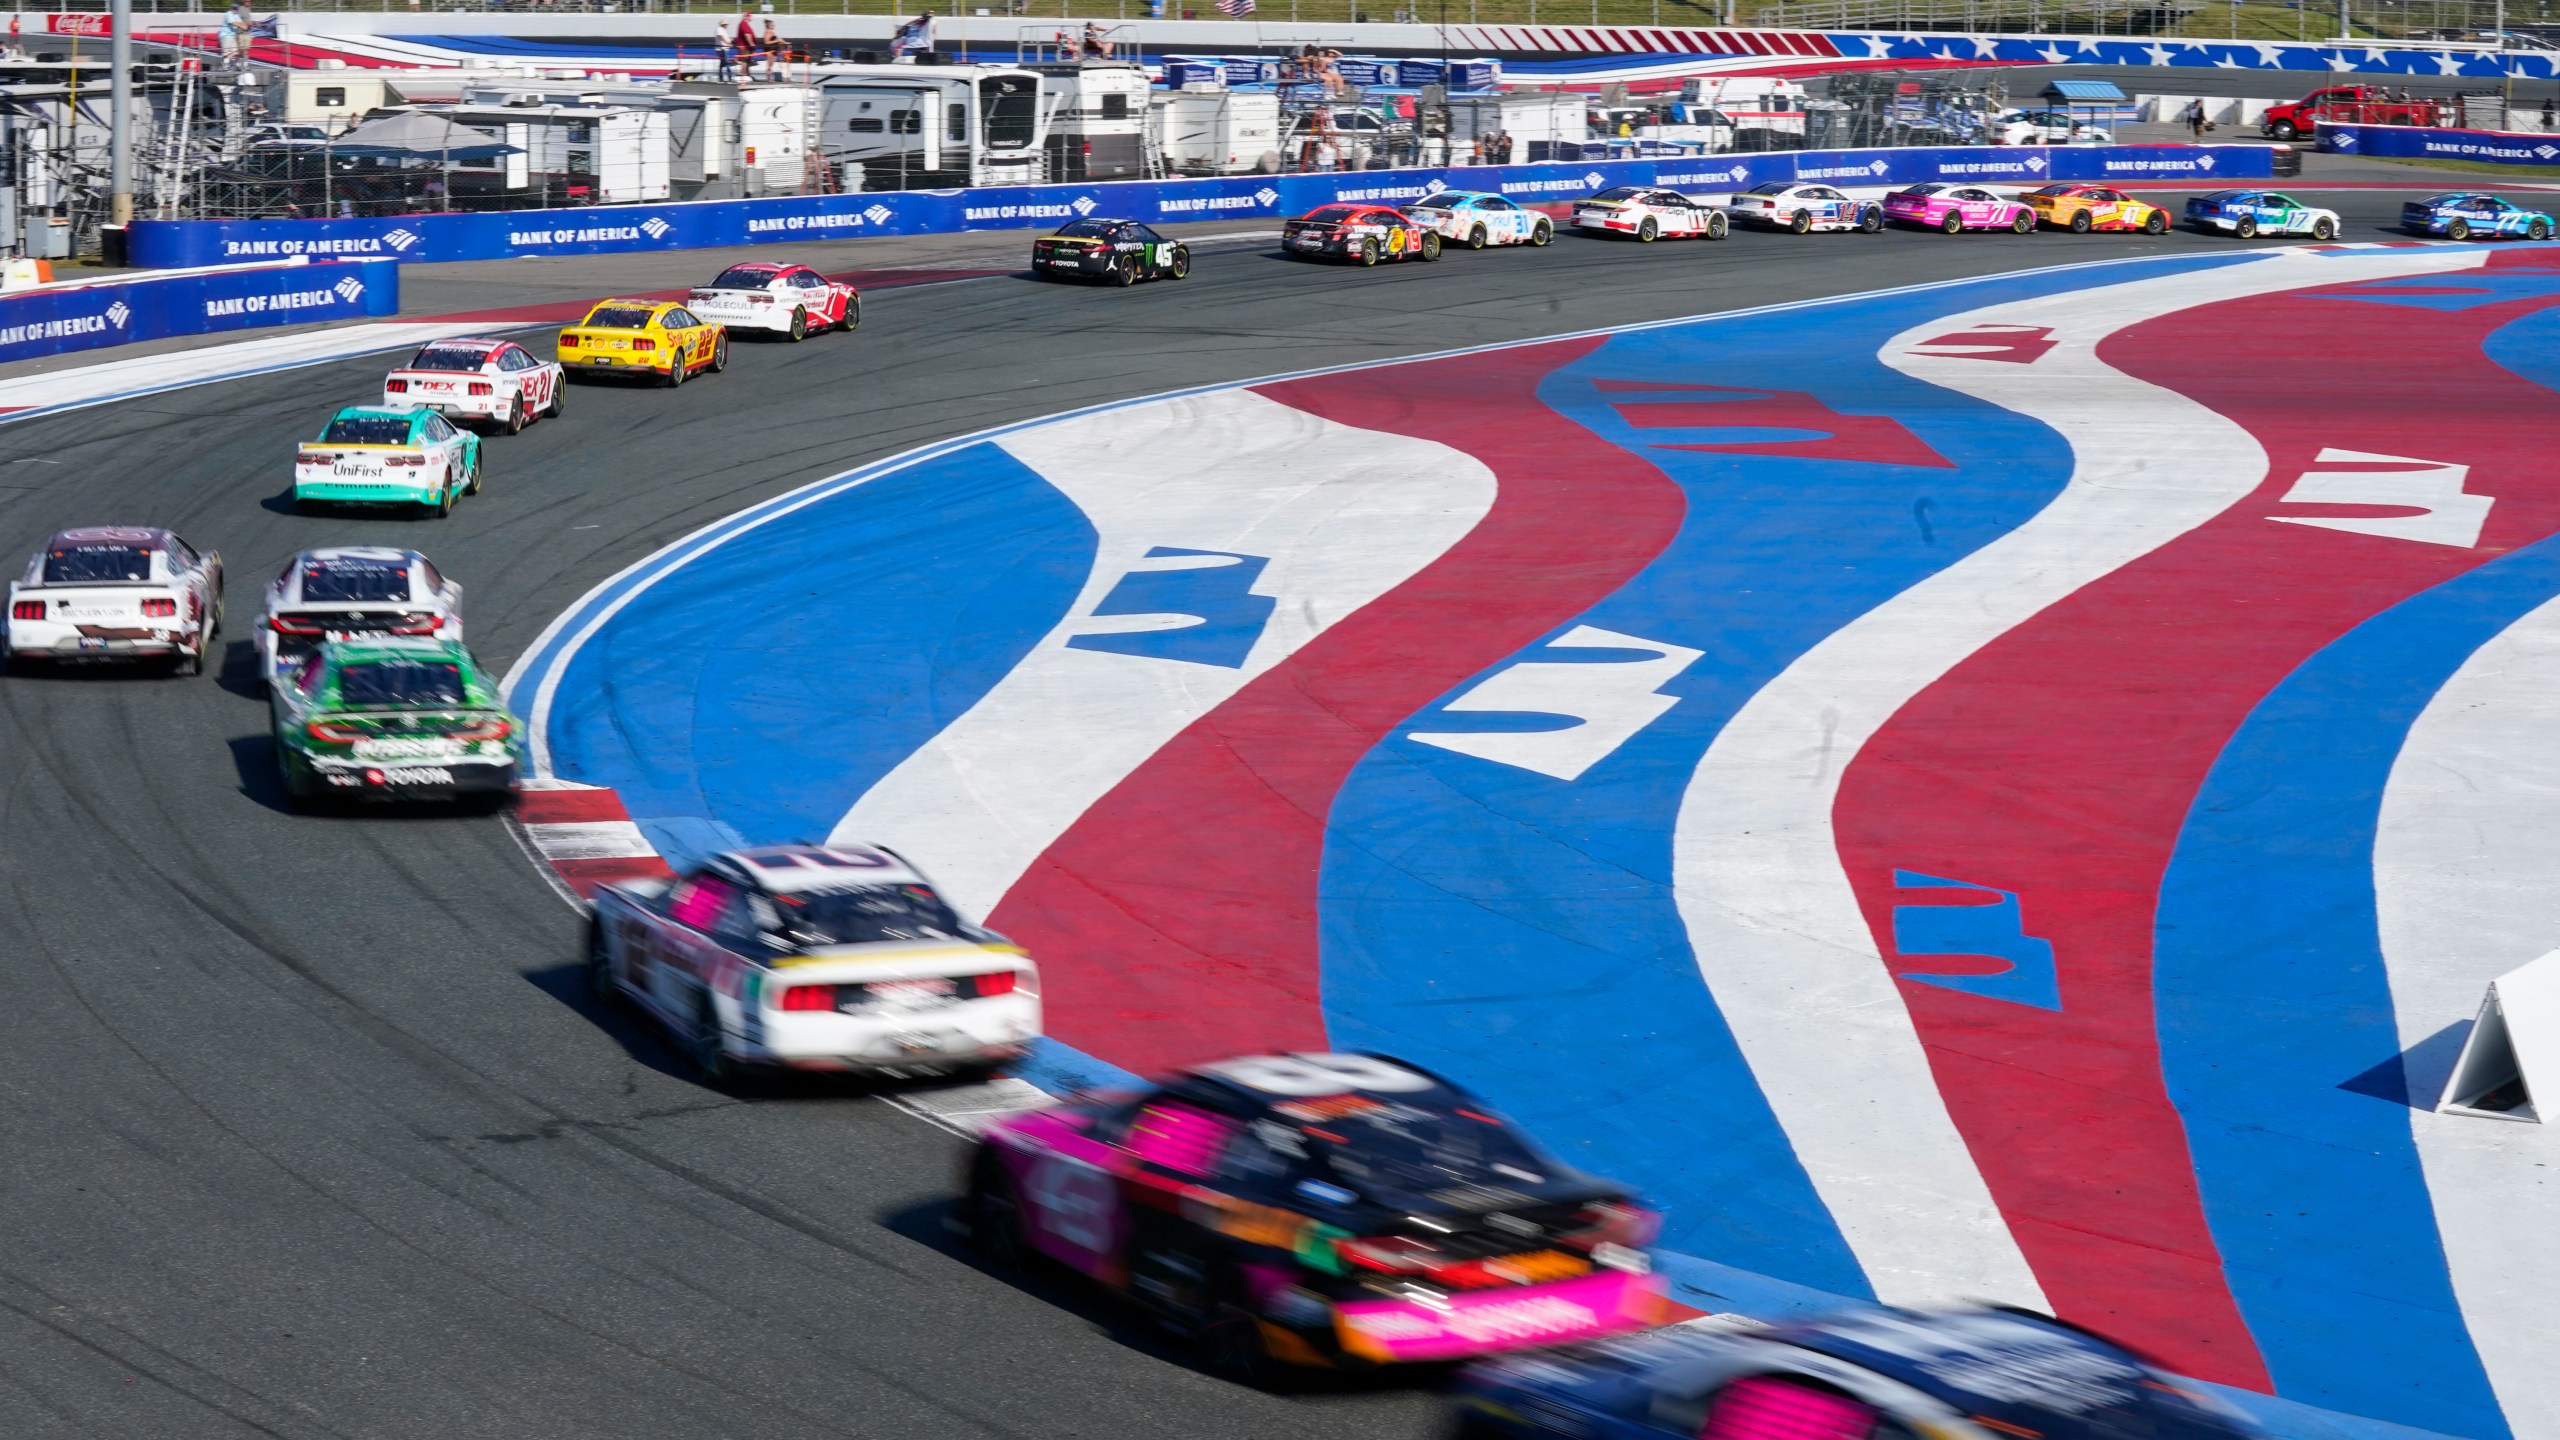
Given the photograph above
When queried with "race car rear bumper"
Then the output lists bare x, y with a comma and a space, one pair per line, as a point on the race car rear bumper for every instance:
53, 640
412, 779
968, 1032
455, 407
773, 318
367, 492
621, 363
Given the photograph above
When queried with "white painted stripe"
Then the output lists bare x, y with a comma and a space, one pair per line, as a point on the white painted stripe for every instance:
1344, 516
589, 840
148, 374
2467, 886
1774, 923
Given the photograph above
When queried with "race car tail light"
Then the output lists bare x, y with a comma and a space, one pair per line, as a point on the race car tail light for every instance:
160, 607
644, 344
406, 460
418, 624
293, 625
486, 730
987, 987
759, 299
568, 342
809, 997
1613, 1222
395, 387
482, 387
1393, 1254
327, 733
27, 610
319, 457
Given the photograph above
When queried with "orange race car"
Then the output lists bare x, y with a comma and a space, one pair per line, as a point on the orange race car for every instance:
2083, 208
1359, 234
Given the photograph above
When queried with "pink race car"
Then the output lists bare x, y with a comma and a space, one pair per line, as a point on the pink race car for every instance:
1957, 207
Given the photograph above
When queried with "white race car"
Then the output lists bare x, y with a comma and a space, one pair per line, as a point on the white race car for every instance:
354, 591
1801, 208
810, 957
117, 593
1477, 218
1649, 215
497, 382
791, 300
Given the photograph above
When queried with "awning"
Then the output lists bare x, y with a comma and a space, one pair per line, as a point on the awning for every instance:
2084, 92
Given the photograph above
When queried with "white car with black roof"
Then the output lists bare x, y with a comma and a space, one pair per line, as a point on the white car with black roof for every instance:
351, 592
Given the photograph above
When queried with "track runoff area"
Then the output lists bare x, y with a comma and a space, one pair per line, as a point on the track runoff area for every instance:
1999, 786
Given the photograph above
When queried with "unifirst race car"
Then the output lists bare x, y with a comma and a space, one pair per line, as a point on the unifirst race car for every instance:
1647, 214
2083, 208
374, 455
1953, 208
1475, 219
791, 300
644, 337
497, 382
2462, 216
1981, 1374
392, 718
1362, 234
1115, 252
117, 593
350, 592
806, 957
1312, 1210
2251, 213
1787, 205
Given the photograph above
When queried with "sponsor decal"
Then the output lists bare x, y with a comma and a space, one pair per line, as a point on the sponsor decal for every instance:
1084, 205
1210, 202
272, 304
1016, 212
118, 313
878, 214
349, 289
1266, 195
567, 236
773, 223
1533, 1318
271, 249
655, 228
49, 329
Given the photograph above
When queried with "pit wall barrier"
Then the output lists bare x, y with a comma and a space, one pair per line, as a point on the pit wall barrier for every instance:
2404, 142
94, 314
493, 235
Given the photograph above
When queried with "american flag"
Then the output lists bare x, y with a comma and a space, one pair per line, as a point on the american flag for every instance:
1237, 8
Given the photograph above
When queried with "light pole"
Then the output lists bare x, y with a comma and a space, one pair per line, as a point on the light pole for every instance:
120, 124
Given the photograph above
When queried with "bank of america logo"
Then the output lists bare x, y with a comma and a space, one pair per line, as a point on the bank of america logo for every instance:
1594, 178
400, 239
1267, 195
877, 214
118, 313
349, 288
655, 228
1084, 205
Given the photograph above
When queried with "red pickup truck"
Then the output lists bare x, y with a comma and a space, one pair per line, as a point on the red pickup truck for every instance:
2348, 105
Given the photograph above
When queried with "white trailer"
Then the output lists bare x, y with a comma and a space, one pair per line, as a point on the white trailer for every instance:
1542, 124
1212, 130
936, 125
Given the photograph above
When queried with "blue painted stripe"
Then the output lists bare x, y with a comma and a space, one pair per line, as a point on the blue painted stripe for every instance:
2272, 993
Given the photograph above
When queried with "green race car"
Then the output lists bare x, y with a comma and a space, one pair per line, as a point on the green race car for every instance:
393, 719
372, 455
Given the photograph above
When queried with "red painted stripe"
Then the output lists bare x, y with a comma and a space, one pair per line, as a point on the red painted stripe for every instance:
2060, 761
585, 876
1151, 966
569, 807
563, 311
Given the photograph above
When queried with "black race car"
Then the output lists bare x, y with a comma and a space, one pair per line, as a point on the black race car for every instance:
1868, 1375
1115, 252
1361, 234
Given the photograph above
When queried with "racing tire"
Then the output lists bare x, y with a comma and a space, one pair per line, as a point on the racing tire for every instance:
706, 1046
2024, 223
2537, 230
1871, 220
1430, 248
799, 323
472, 485
1647, 231
2080, 222
1477, 239
1179, 268
2324, 229
559, 400
678, 372
852, 315
1542, 233
2246, 227
2283, 130
1124, 273
2458, 230
442, 505
1800, 223
991, 1216
516, 418
1369, 252
1231, 1344
298, 791
719, 354
599, 967
1952, 223
1719, 225
2157, 223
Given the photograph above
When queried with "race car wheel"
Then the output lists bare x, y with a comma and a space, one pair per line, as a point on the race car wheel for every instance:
2023, 224
799, 324
1718, 225
2246, 227
1369, 252
2080, 222
2157, 223
1542, 233
1231, 1342
706, 1046
2324, 229
678, 371
515, 416
600, 981
1180, 267
1430, 244
442, 505
559, 399
852, 314
992, 1215
719, 355
1871, 220
1951, 223
471, 486
1647, 231
1124, 272
1800, 223
2537, 230
1477, 239
2458, 230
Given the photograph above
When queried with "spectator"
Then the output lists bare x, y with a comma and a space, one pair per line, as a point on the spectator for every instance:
913, 38
1090, 46
727, 48
774, 51
2195, 117
237, 22
2550, 118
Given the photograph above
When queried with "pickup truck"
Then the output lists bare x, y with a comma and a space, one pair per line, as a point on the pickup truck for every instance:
2348, 105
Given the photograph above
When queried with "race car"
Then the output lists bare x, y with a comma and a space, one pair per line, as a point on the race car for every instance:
1116, 252
809, 957
1648, 214
494, 381
1366, 234
1952, 208
374, 455
2462, 216
2251, 213
653, 337
349, 592
1315, 1210
791, 300
1788, 205
2083, 208
117, 593
1476, 219
392, 718
1983, 1374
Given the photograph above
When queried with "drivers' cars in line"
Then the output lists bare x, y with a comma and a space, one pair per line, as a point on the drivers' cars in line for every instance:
1359, 234
116, 592
392, 718
811, 957
2081, 208
377, 455
788, 300
2251, 213
348, 592
657, 338
1954, 208
2465, 215
493, 382
1477, 218
1646, 213
1802, 209
1115, 252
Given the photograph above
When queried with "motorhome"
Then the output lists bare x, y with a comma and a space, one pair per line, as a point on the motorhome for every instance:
565, 154
1542, 124
891, 127
1213, 130
1097, 128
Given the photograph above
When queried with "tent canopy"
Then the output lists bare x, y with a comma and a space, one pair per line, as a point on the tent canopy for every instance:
2084, 92
417, 135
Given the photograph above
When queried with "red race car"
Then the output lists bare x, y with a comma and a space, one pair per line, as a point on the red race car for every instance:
1362, 234
791, 300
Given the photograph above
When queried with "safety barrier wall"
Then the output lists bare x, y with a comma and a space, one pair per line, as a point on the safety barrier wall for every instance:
91, 316
491, 235
2403, 142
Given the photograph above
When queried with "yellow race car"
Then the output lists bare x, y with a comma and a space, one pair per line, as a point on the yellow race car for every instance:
2083, 208
656, 337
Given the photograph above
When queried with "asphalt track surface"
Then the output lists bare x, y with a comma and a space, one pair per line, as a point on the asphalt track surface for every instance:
311, 1129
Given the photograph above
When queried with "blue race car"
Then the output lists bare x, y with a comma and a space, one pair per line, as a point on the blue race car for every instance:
2250, 213
1953, 1375
1476, 219
2461, 216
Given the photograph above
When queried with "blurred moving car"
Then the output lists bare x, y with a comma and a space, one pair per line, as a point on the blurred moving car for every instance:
117, 592
1790, 205
1115, 252
392, 718
2465, 214
2251, 213
349, 592
789, 300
